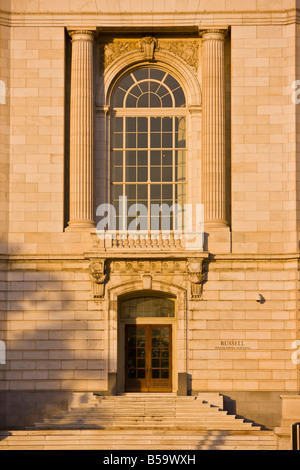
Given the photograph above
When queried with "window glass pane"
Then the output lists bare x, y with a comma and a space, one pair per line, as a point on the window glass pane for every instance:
155, 124
180, 157
162, 91
117, 174
144, 86
118, 124
141, 74
142, 173
167, 157
130, 191
135, 91
155, 157
117, 191
143, 101
142, 140
156, 192
117, 140
180, 173
131, 174
167, 191
118, 98
155, 138
167, 101
180, 134
131, 158
130, 124
131, 101
167, 140
179, 98
171, 82
142, 158
157, 74
117, 158
142, 192
155, 173
153, 87
167, 174
155, 101
130, 140
167, 124
126, 82
142, 124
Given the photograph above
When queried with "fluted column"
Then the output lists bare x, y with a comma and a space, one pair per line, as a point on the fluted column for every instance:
81, 130
213, 128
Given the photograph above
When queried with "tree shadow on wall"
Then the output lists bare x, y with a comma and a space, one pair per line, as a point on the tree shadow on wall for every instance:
53, 342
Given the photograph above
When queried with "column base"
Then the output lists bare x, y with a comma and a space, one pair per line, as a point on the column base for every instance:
80, 226
217, 238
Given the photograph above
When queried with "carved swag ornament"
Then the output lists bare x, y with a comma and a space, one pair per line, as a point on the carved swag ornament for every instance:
196, 278
98, 278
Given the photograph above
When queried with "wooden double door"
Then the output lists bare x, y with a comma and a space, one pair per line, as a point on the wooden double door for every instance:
148, 358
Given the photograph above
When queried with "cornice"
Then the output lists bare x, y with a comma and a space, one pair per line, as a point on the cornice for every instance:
135, 21
121, 254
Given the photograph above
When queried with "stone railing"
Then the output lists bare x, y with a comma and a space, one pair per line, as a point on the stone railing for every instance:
140, 240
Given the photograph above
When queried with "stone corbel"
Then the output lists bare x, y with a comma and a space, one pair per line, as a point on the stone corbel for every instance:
98, 277
196, 278
147, 46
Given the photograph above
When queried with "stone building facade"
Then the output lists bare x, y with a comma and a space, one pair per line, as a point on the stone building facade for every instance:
82, 308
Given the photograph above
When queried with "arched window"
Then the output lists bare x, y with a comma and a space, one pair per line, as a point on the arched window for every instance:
148, 151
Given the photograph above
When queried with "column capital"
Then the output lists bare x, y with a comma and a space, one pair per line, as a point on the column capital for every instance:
82, 34
213, 33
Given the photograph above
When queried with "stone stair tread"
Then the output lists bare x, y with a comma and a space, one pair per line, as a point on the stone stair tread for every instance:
143, 422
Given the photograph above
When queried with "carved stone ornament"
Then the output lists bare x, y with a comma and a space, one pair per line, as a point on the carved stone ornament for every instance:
115, 49
98, 278
147, 46
196, 278
187, 50
147, 266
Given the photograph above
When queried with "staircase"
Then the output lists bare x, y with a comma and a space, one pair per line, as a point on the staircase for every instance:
143, 422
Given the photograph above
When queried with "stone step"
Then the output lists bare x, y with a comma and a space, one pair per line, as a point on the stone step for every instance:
183, 418
117, 440
158, 426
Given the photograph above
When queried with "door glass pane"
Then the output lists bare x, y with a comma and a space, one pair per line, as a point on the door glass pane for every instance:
141, 373
155, 342
155, 352
155, 363
165, 363
141, 363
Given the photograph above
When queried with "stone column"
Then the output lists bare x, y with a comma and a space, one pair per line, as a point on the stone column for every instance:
213, 128
81, 130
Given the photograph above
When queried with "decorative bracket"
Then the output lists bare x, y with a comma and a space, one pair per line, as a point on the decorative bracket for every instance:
147, 46
196, 278
98, 277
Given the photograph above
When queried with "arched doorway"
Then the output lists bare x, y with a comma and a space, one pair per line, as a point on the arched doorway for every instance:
146, 336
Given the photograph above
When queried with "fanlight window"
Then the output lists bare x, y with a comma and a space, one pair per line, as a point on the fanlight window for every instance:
148, 88
148, 151
147, 306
